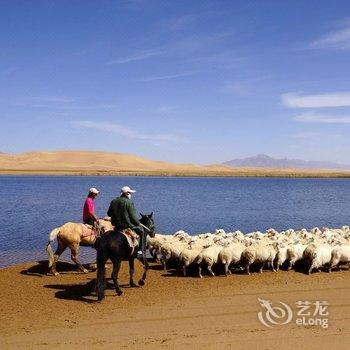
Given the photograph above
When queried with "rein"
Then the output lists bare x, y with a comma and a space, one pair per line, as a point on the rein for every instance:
145, 227
144, 243
95, 231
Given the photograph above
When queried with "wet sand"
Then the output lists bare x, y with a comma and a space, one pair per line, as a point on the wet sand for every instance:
42, 312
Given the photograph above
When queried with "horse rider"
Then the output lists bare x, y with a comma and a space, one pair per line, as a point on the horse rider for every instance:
123, 216
89, 216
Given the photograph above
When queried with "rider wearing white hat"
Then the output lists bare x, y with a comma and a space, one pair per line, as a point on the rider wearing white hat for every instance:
89, 216
123, 214
126, 190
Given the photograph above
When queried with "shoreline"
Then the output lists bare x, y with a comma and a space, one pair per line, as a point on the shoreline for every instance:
40, 311
248, 173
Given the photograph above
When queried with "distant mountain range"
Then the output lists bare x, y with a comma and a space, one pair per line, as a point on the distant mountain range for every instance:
265, 161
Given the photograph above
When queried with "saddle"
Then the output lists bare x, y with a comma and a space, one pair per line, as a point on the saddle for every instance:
132, 238
88, 230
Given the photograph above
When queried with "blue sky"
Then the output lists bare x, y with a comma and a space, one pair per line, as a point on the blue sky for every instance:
183, 81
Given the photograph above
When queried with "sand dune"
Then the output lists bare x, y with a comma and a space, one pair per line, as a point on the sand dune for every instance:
83, 160
92, 162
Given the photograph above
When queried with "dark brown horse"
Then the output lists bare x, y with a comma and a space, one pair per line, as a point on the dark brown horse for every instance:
114, 246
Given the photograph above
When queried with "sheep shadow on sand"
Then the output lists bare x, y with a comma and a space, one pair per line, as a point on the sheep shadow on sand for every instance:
192, 271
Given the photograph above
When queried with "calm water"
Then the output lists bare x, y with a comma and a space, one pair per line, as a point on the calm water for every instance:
31, 206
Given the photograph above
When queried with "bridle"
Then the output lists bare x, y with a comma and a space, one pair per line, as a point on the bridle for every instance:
143, 249
99, 229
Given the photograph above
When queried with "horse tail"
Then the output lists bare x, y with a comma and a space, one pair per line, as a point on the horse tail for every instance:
100, 280
52, 236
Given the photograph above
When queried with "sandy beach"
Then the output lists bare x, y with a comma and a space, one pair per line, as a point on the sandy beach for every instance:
41, 312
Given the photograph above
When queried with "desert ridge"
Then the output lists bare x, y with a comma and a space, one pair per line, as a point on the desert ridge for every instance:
110, 163
84, 160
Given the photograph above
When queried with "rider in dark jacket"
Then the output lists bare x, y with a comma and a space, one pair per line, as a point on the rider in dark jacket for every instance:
123, 215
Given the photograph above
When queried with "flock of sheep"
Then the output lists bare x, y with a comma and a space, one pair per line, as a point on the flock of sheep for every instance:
314, 249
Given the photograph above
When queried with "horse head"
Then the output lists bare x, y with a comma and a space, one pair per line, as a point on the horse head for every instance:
148, 221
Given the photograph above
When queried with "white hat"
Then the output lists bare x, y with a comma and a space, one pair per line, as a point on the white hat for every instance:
94, 190
127, 189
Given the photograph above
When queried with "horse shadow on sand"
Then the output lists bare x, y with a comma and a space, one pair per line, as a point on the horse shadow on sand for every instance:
41, 269
83, 292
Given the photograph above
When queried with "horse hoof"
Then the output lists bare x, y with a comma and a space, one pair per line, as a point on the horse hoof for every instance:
133, 285
120, 293
141, 282
53, 273
93, 267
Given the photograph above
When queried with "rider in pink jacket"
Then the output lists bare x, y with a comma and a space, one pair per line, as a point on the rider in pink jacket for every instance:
89, 216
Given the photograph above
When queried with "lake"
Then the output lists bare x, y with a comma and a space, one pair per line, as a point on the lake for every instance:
33, 205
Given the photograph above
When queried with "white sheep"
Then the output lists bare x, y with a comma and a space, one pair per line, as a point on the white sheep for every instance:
281, 256
313, 246
317, 255
259, 253
189, 256
231, 254
154, 243
208, 256
172, 251
340, 254
295, 253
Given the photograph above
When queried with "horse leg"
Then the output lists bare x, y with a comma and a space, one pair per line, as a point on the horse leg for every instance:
60, 249
116, 267
144, 262
131, 271
74, 255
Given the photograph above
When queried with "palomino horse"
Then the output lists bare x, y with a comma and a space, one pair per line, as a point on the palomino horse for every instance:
72, 235
114, 246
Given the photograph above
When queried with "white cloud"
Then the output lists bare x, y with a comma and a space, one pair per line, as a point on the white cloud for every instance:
136, 57
165, 109
59, 103
339, 39
178, 23
307, 135
127, 132
188, 45
245, 86
53, 99
322, 118
164, 77
334, 99
136, 5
